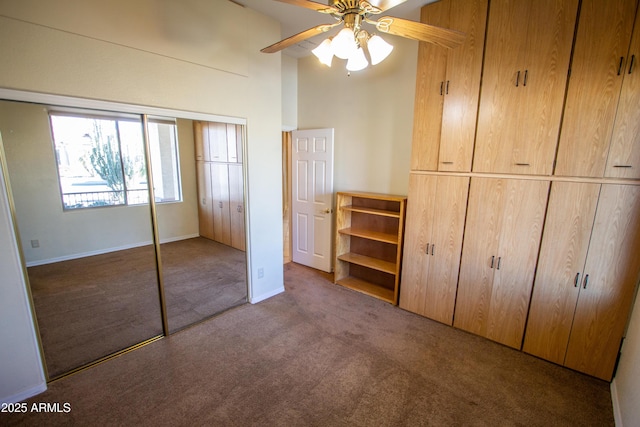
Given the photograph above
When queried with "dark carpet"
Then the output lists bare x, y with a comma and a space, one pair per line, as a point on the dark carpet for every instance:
323, 355
91, 307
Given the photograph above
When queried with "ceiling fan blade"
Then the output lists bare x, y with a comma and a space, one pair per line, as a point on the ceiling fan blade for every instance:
380, 5
318, 7
297, 38
419, 31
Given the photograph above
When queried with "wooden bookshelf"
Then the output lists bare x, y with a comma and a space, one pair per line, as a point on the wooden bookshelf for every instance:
369, 234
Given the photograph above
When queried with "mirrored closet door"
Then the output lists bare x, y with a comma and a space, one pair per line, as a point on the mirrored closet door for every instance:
203, 260
118, 254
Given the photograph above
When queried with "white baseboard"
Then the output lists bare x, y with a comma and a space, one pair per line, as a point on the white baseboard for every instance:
617, 416
106, 251
257, 299
25, 394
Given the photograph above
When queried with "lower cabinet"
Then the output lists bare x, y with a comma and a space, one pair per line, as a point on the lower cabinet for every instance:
501, 242
587, 275
436, 210
221, 203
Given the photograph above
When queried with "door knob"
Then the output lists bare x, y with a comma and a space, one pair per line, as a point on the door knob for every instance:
327, 211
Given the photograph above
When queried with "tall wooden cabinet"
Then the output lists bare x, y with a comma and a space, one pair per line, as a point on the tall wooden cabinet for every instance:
218, 148
502, 237
447, 88
433, 245
543, 256
526, 60
369, 234
587, 275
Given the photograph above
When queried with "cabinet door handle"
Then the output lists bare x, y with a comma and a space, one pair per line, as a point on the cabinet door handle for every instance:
577, 280
433, 248
499, 260
427, 251
518, 79
586, 282
523, 164
492, 260
447, 88
620, 66
526, 74
622, 166
447, 163
633, 57
239, 208
441, 88
220, 205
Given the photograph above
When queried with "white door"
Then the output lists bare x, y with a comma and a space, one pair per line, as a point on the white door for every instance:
312, 198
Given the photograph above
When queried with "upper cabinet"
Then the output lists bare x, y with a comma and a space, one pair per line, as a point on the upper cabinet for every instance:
447, 88
218, 142
526, 60
624, 154
603, 80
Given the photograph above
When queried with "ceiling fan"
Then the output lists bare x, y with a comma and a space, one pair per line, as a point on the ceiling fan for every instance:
350, 41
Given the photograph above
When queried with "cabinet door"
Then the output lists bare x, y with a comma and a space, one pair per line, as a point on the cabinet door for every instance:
205, 202
220, 196
433, 244
525, 72
563, 253
201, 140
613, 269
481, 239
430, 78
236, 206
447, 88
597, 72
624, 155
462, 86
523, 218
217, 142
504, 225
415, 259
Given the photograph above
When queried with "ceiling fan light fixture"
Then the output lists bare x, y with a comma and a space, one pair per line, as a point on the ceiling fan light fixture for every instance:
357, 61
344, 43
324, 52
378, 49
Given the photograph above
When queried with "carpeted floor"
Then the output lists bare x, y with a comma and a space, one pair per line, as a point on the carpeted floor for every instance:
91, 307
323, 355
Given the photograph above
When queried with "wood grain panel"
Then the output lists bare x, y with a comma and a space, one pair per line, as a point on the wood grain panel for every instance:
624, 154
217, 133
563, 254
236, 206
415, 263
205, 202
462, 86
430, 78
602, 40
613, 266
448, 228
220, 197
523, 212
524, 81
481, 243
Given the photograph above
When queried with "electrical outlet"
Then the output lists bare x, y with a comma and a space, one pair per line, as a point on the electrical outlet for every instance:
35, 243
260, 273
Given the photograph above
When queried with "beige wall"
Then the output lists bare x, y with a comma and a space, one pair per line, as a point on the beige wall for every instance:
626, 385
372, 113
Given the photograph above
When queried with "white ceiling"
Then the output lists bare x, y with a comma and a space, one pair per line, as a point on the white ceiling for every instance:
294, 19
